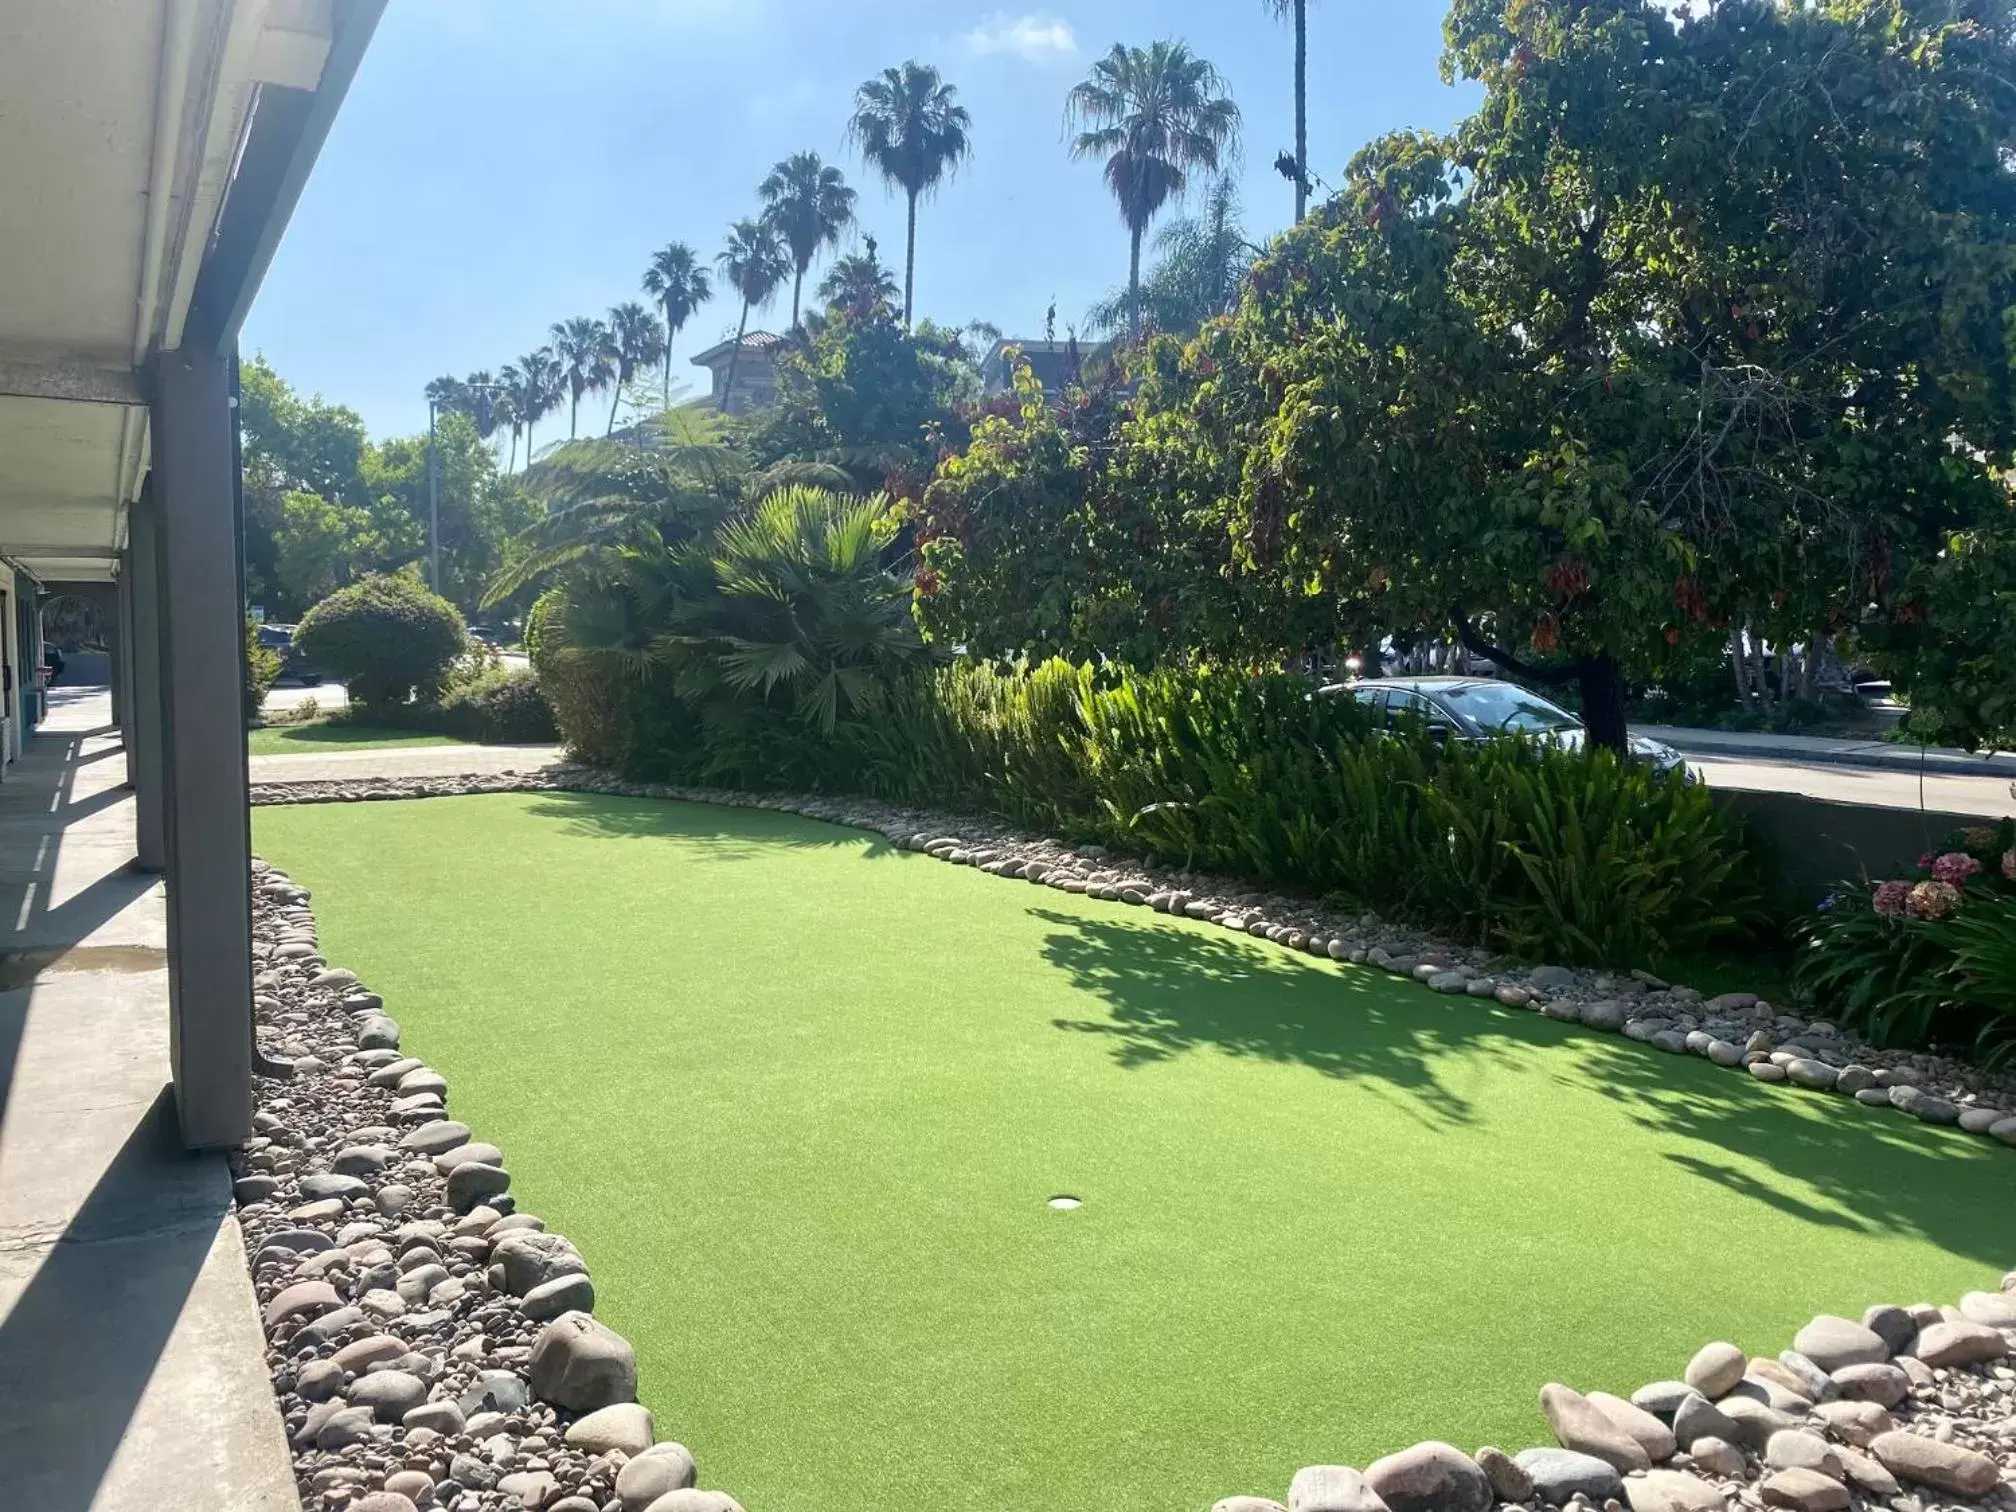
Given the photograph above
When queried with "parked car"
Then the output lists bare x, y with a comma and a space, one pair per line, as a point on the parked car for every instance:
279, 639
487, 635
1476, 708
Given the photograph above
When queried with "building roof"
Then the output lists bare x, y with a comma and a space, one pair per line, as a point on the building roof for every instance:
754, 341
150, 156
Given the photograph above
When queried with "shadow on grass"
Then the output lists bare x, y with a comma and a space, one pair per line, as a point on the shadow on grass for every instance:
710, 833
1880, 1171
1173, 991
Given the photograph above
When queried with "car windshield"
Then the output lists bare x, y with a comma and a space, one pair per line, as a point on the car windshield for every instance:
1500, 706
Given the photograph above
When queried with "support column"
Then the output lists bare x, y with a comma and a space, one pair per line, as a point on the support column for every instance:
203, 726
124, 693
144, 760
113, 607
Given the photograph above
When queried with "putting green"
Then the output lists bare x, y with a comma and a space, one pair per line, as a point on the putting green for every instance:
802, 1099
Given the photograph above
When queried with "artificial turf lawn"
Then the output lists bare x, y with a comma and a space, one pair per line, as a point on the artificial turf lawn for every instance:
801, 1098
322, 735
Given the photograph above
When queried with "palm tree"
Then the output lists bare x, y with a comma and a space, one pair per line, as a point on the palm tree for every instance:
809, 203
1200, 262
911, 131
1300, 10
636, 341
504, 406
680, 283
586, 363
481, 388
859, 284
1154, 114
535, 386
754, 262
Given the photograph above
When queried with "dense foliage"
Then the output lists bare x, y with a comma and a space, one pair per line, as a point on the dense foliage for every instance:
387, 637
262, 670
1698, 321
1929, 958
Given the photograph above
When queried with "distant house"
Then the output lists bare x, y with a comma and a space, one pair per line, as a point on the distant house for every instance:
1056, 364
755, 372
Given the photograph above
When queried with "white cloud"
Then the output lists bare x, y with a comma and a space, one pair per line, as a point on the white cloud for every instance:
1033, 38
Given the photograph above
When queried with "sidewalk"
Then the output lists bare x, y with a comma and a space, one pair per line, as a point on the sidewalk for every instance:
1740, 745
404, 761
132, 1364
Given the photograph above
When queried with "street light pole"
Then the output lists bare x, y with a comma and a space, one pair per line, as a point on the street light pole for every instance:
433, 504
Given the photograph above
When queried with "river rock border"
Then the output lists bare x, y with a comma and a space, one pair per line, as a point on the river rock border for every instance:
434, 1348
1736, 1030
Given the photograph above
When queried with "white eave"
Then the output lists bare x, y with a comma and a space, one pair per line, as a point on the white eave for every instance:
151, 152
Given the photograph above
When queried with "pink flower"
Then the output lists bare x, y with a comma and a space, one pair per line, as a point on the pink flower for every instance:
1933, 900
1890, 899
1955, 867
1925, 861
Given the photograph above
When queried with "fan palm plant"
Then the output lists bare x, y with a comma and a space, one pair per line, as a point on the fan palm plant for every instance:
754, 262
680, 283
911, 129
809, 203
536, 387
1155, 114
636, 341
859, 284
802, 603
583, 348
480, 402
504, 408
1200, 261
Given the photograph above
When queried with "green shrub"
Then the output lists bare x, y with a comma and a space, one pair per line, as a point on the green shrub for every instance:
1929, 958
262, 670
498, 706
388, 638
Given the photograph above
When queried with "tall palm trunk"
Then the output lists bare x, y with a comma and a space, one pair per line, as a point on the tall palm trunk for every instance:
735, 357
1301, 108
1134, 278
797, 287
511, 458
615, 404
574, 413
671, 333
528, 443
910, 261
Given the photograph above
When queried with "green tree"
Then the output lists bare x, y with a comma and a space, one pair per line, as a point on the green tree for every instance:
755, 261
480, 512
680, 283
910, 128
1699, 320
1155, 115
291, 445
387, 637
582, 348
636, 341
809, 203
322, 544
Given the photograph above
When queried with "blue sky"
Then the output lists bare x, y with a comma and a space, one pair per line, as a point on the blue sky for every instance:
503, 164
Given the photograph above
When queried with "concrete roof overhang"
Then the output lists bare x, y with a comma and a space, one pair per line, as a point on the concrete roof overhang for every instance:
151, 152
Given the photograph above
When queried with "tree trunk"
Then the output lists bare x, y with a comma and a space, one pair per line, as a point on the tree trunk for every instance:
910, 262
1738, 662
1134, 278
1301, 109
614, 405
528, 443
1602, 684
1809, 670
797, 289
669, 335
735, 358
574, 414
511, 457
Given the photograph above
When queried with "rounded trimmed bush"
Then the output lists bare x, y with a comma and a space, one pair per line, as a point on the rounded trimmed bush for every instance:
386, 637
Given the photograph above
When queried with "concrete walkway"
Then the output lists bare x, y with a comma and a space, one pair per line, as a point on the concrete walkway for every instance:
132, 1366
405, 761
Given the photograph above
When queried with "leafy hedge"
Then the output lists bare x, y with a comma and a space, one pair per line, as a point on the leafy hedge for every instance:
1565, 855
387, 637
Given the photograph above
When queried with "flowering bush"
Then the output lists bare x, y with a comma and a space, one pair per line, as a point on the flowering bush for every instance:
1932, 957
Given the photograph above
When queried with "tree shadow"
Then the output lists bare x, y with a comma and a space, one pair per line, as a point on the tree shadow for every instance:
1174, 991
1876, 1171
708, 832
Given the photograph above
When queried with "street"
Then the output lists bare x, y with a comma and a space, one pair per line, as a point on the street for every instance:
1987, 797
